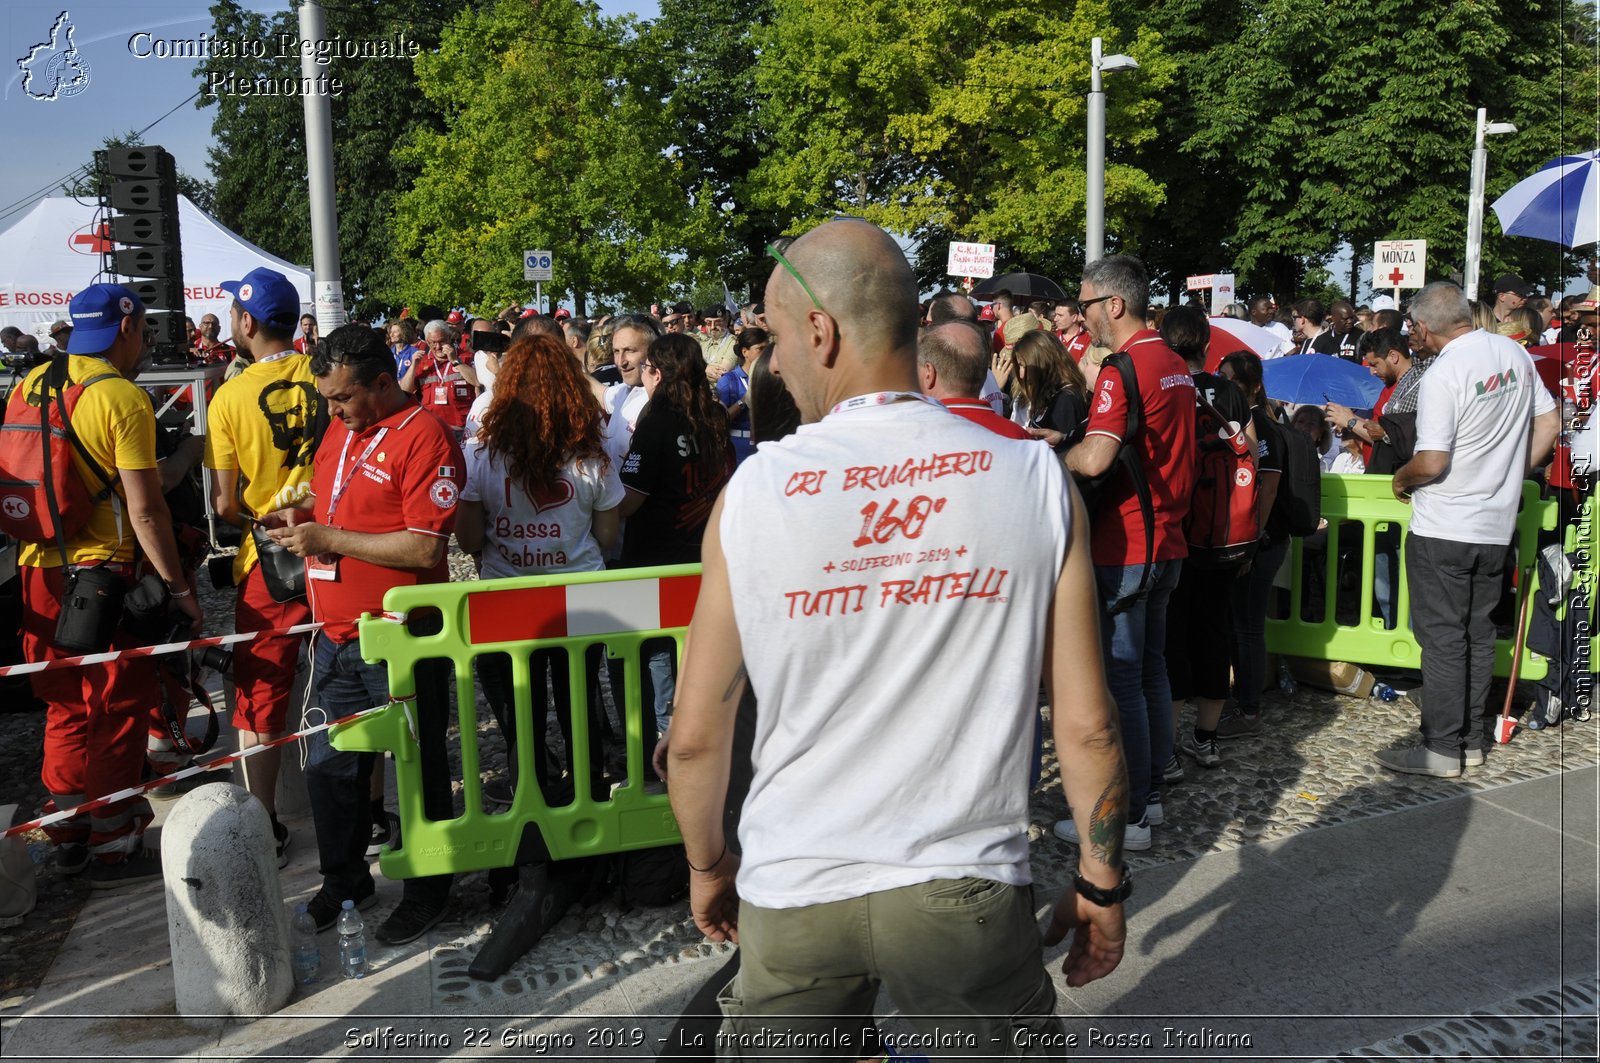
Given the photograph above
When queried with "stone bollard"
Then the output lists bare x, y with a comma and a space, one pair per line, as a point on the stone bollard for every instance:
225, 914
18, 887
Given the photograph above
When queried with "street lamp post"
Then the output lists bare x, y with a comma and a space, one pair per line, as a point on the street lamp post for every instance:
1480, 166
1094, 242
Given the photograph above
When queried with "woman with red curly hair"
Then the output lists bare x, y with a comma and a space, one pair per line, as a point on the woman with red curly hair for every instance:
541, 497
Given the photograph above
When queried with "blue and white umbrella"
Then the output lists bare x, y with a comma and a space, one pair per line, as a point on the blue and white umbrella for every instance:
1560, 203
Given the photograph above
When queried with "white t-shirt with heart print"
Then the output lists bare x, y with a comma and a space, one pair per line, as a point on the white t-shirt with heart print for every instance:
552, 533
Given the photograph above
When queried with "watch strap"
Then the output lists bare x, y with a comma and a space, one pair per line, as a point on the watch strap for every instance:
1105, 898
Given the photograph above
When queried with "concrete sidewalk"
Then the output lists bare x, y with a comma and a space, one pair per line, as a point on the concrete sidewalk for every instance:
1464, 926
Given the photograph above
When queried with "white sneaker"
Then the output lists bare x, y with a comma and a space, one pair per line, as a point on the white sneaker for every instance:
1153, 812
1135, 836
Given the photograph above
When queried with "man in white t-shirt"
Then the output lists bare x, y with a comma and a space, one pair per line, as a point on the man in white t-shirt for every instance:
1484, 420
885, 834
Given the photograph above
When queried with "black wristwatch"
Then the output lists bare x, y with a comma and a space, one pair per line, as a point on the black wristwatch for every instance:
1104, 898
1350, 425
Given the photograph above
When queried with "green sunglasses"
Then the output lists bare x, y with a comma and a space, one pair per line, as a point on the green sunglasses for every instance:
772, 249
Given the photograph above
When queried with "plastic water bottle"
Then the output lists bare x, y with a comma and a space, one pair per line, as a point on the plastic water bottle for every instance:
1286, 681
1384, 692
307, 956
352, 942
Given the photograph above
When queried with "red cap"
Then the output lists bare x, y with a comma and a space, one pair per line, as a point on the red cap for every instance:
986, 314
456, 317
562, 313
530, 312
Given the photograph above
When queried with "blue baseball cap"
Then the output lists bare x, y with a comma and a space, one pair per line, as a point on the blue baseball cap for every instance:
97, 314
268, 297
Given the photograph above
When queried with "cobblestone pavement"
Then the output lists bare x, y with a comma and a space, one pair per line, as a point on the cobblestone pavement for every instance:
1310, 767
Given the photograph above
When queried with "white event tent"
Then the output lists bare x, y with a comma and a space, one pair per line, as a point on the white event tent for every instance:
53, 251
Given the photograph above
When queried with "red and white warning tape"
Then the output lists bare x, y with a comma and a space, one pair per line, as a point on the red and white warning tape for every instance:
193, 769
153, 651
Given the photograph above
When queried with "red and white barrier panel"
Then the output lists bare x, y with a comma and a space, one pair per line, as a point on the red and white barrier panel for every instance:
184, 773
577, 609
153, 651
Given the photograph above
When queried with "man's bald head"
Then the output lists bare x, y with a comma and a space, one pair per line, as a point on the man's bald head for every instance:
860, 278
958, 351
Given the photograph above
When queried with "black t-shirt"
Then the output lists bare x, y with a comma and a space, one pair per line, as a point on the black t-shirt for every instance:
608, 375
663, 463
1324, 342
1067, 412
1225, 395
1347, 344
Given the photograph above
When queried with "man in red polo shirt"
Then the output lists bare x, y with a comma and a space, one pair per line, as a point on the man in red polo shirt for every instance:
1133, 631
383, 505
952, 364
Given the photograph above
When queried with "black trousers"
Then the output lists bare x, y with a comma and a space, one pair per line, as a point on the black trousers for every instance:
1454, 587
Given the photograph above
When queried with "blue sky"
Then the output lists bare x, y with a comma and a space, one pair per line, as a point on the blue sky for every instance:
46, 140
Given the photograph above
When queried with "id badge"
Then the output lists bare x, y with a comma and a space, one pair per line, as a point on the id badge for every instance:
441, 395
323, 567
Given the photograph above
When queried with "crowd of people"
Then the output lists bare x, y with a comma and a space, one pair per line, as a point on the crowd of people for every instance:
803, 449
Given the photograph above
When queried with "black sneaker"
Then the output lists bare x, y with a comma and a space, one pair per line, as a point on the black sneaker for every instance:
72, 857
143, 866
408, 922
498, 792
1172, 771
280, 835
385, 831
324, 910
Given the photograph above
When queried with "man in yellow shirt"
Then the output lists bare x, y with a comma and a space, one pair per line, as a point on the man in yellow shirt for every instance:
260, 441
95, 733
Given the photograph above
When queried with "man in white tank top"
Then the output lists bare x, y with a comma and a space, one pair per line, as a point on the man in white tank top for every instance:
855, 578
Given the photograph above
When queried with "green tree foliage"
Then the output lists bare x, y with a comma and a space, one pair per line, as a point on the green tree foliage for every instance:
942, 120
708, 62
1354, 122
553, 139
259, 158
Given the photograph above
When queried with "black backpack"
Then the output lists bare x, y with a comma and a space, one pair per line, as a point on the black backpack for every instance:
1298, 507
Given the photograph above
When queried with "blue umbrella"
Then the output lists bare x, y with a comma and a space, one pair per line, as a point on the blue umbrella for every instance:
1320, 378
1560, 203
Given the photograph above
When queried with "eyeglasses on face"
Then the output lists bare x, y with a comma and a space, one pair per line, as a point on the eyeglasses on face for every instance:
1085, 304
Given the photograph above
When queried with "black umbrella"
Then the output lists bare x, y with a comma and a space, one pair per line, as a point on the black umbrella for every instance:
1026, 286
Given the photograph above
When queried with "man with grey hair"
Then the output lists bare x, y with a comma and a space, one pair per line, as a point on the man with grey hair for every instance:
1138, 541
437, 380
1484, 420
952, 363
908, 871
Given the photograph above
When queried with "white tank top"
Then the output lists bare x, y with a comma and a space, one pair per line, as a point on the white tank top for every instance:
892, 567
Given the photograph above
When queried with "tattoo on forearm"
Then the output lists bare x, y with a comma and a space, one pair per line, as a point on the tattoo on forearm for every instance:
1107, 821
739, 678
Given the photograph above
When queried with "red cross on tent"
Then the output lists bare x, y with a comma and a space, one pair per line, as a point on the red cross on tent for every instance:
95, 243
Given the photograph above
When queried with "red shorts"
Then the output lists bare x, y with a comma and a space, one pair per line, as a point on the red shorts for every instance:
263, 670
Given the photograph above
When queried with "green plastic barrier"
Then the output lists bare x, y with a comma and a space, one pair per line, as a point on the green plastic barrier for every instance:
1359, 505
620, 610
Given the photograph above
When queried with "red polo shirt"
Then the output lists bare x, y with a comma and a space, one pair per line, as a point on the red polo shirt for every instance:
1078, 346
979, 412
402, 474
1168, 449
